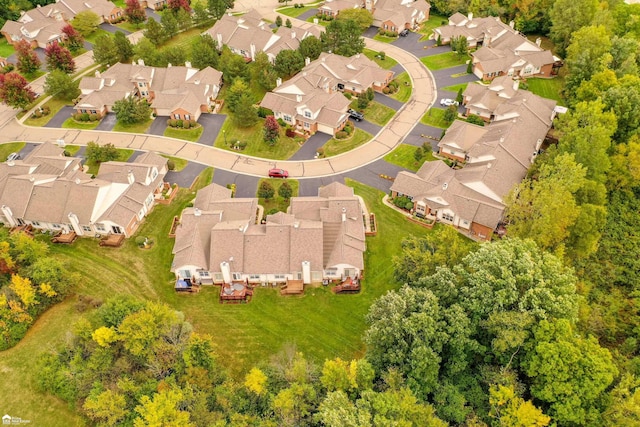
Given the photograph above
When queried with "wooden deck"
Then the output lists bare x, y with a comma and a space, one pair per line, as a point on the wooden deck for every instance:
26, 229
67, 238
112, 240
186, 286
348, 286
292, 287
235, 293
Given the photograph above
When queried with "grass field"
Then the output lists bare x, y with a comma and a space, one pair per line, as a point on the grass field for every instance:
277, 202
293, 12
192, 135
97, 33
375, 112
547, 88
435, 117
333, 147
11, 147
72, 149
283, 149
403, 156
177, 161
6, 49
184, 40
404, 88
384, 39
133, 128
456, 88
321, 324
70, 123
434, 21
444, 60
387, 63
55, 105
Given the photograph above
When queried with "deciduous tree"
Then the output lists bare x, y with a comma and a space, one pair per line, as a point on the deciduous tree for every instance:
509, 409
217, 8
132, 110
135, 12
28, 61
123, 46
266, 190
101, 153
15, 90
310, 47
59, 58
59, 84
271, 131
108, 407
362, 17
105, 51
263, 72
86, 22
73, 40
169, 25
237, 90
343, 37
163, 409
204, 52
567, 16
288, 62
176, 5
155, 32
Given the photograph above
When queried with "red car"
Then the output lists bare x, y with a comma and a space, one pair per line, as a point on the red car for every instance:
278, 173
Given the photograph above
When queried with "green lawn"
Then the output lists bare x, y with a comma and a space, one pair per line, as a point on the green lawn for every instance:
320, 323
126, 25
404, 88
320, 21
36, 74
178, 162
70, 123
277, 202
384, 39
293, 12
229, 134
333, 147
55, 105
444, 60
456, 88
192, 135
547, 88
11, 147
72, 149
403, 156
97, 33
387, 63
6, 49
123, 155
375, 112
184, 40
133, 128
435, 117
434, 21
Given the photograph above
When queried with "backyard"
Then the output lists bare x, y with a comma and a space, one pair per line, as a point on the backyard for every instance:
547, 88
243, 334
434, 21
277, 202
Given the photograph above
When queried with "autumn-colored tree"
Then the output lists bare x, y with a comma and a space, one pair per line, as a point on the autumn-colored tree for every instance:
28, 61
59, 58
256, 381
512, 410
162, 410
15, 91
176, 5
285, 191
104, 336
271, 130
266, 190
24, 290
135, 12
74, 40
108, 407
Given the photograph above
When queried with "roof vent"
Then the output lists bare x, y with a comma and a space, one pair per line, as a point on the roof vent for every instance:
77, 181
296, 224
32, 178
488, 165
445, 185
196, 212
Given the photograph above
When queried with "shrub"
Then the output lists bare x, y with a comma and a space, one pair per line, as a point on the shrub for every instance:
264, 112
77, 116
169, 122
382, 55
341, 135
46, 109
272, 211
84, 117
37, 114
408, 206
140, 240
320, 152
402, 202
179, 123
282, 123
349, 95
348, 129
93, 117
186, 124
171, 165
386, 90
173, 123
193, 123
290, 133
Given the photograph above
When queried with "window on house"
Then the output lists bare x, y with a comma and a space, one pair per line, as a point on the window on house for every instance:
185, 274
306, 125
286, 118
350, 272
331, 272
217, 277
176, 116
447, 216
86, 228
307, 114
100, 227
141, 84
254, 277
236, 276
144, 93
55, 225
94, 112
35, 223
187, 117
279, 276
116, 230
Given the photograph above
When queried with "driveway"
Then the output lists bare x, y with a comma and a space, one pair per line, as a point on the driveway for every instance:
158, 126
310, 147
388, 101
186, 176
60, 117
371, 32
411, 43
212, 124
113, 29
308, 14
151, 14
419, 134
246, 186
367, 126
26, 150
108, 122
445, 77
397, 70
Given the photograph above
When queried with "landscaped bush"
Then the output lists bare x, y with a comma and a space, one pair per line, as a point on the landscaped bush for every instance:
264, 112
382, 55
282, 123
179, 123
409, 205
348, 129
186, 124
349, 95
171, 165
37, 114
193, 123
93, 117
386, 90
84, 117
341, 134
320, 152
402, 202
290, 133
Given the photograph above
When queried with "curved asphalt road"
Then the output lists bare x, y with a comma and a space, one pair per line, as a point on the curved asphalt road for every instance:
385, 141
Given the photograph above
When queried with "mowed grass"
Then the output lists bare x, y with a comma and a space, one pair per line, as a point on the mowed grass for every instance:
384, 39
91, 38
10, 147
71, 123
133, 127
277, 202
375, 112
387, 63
6, 49
456, 88
434, 21
192, 135
547, 88
404, 88
178, 162
404, 156
123, 155
54, 104
444, 60
435, 117
322, 325
293, 12
283, 149
333, 147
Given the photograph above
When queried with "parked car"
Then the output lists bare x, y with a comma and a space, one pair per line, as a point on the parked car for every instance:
13, 156
445, 102
355, 115
278, 173
404, 33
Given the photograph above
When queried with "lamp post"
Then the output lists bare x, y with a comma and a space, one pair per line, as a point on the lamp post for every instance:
224, 133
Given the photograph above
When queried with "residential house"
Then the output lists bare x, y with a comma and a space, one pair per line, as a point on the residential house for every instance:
51, 192
311, 101
178, 92
154, 4
391, 15
496, 157
333, 7
220, 240
43, 25
248, 34
502, 51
